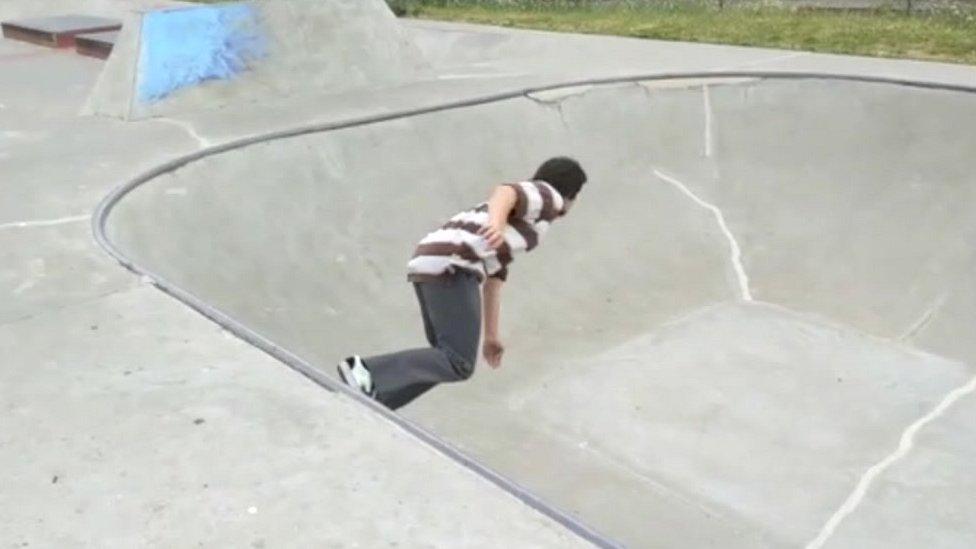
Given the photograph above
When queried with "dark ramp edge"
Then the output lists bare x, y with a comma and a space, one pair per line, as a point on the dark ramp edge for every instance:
98, 44
57, 31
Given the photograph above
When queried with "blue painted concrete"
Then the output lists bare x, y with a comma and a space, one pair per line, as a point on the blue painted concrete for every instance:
183, 48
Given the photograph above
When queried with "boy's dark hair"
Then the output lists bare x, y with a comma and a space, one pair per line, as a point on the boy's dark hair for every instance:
564, 174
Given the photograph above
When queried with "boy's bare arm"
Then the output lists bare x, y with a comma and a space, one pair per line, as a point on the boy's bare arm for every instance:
500, 206
492, 348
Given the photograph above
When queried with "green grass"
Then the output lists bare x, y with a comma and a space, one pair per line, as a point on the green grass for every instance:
945, 35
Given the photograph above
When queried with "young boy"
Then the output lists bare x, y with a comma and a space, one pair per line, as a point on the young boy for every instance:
475, 247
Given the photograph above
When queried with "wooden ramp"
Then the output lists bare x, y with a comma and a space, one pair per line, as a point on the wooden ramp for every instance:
57, 31
96, 44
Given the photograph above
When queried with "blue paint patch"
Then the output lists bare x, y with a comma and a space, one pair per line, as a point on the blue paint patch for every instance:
183, 48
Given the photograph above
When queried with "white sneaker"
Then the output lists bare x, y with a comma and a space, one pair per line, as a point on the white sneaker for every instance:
355, 374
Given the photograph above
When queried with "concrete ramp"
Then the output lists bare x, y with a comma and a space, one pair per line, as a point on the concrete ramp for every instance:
205, 57
755, 328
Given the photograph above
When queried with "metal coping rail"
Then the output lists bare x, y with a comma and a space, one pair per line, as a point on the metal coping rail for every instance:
304, 367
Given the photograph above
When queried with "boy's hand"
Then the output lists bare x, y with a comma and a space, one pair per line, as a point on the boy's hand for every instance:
500, 205
493, 350
494, 236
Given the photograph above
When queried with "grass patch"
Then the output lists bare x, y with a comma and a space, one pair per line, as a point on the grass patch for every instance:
943, 35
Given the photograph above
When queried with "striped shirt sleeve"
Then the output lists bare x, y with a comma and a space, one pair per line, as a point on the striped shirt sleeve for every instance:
535, 202
458, 244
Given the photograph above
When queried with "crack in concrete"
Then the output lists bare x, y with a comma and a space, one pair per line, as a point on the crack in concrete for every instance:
925, 319
554, 104
905, 444
556, 96
734, 250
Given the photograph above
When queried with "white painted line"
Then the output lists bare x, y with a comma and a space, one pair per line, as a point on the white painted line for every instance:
44, 222
464, 76
24, 286
758, 62
905, 444
736, 251
188, 128
709, 139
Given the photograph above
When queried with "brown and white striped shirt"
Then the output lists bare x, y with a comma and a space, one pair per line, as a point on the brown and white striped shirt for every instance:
457, 244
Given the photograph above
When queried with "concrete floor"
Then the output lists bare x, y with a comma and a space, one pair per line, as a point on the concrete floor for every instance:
132, 421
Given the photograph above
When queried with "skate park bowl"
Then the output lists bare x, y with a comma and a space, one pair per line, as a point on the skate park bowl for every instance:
763, 295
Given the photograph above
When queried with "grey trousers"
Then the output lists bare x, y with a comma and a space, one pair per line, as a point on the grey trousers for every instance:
451, 310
